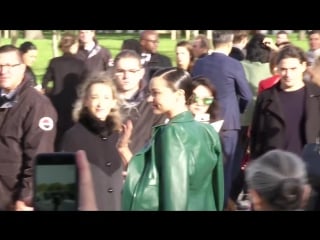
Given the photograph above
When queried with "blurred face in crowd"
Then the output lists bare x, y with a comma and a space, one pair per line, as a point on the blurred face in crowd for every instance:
281, 37
128, 74
164, 99
315, 72
314, 41
202, 99
100, 100
30, 57
86, 36
74, 48
11, 70
183, 57
291, 71
197, 49
150, 42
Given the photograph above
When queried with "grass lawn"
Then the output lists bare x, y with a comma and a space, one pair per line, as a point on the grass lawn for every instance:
113, 42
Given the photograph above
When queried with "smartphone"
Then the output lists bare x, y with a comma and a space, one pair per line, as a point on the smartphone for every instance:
55, 182
204, 117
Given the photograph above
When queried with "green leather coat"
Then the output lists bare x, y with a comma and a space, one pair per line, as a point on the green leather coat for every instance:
181, 169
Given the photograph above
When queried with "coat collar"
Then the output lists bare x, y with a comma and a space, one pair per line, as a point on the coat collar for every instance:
182, 117
312, 91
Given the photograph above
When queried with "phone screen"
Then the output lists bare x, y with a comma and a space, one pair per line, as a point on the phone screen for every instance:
204, 117
55, 182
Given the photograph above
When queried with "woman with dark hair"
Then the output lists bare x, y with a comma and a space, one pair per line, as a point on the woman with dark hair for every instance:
29, 53
185, 55
202, 100
182, 166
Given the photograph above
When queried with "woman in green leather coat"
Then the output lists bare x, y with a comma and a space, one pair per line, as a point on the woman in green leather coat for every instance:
182, 167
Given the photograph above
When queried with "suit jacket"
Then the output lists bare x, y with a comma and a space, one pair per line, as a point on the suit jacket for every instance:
177, 171
233, 91
268, 124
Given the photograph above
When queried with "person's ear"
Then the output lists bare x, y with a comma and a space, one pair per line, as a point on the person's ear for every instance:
113, 103
142, 72
304, 66
180, 93
256, 200
306, 195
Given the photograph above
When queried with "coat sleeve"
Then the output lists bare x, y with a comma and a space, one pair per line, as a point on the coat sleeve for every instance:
39, 135
106, 57
172, 166
242, 87
255, 132
48, 76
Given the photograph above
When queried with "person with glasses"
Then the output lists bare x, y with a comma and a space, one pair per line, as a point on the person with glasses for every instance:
129, 74
152, 60
181, 168
28, 127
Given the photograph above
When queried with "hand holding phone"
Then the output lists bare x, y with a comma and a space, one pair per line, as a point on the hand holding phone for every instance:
203, 117
56, 182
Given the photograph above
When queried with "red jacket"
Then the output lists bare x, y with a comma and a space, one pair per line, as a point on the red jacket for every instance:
268, 82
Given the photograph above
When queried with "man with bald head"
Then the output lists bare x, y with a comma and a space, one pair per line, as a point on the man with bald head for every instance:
149, 40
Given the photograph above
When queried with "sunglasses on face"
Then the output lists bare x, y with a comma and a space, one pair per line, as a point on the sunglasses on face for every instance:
201, 101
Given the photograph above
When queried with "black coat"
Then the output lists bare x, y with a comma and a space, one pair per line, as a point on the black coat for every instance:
98, 59
67, 73
105, 162
63, 71
28, 127
268, 124
236, 53
157, 61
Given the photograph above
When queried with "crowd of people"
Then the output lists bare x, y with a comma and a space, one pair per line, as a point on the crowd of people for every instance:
152, 136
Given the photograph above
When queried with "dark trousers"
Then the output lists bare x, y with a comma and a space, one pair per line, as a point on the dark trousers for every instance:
229, 140
238, 183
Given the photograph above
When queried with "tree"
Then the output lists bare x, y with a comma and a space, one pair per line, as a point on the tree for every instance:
33, 34
14, 34
55, 39
302, 35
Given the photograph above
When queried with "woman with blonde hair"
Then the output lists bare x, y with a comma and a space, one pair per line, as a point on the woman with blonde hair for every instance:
96, 131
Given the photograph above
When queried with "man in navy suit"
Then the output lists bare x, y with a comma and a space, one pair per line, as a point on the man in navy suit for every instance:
233, 95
